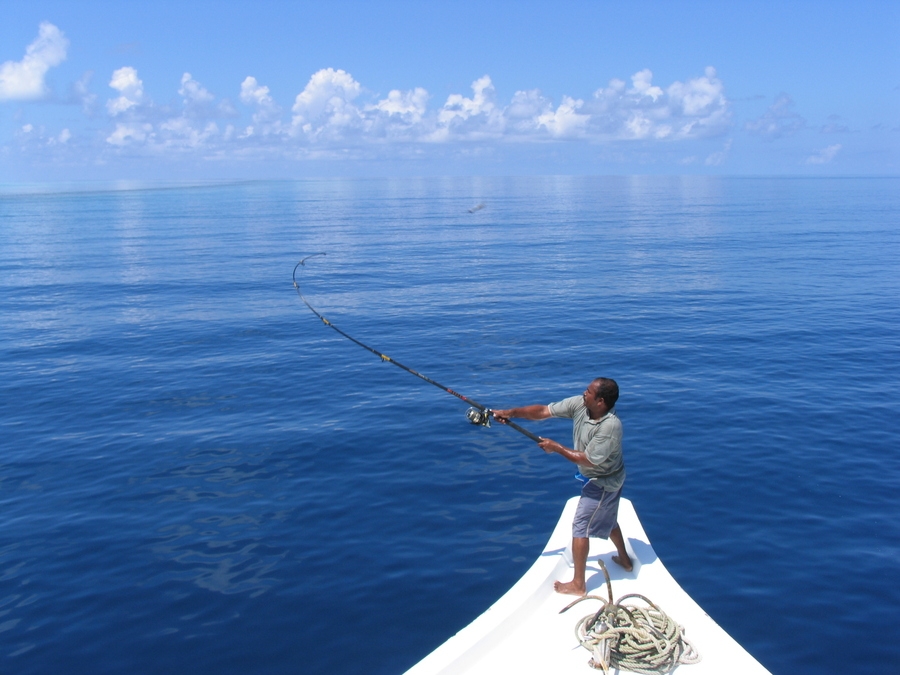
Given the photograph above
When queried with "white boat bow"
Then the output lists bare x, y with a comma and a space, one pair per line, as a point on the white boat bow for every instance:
523, 632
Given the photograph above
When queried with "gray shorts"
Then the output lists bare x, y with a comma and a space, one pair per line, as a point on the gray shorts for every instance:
597, 512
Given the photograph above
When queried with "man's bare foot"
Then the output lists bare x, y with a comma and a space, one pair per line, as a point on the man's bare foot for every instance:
570, 588
626, 563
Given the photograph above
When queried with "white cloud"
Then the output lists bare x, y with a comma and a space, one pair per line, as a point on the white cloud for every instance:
698, 96
268, 113
126, 81
825, 155
642, 85
193, 92
778, 121
181, 133
25, 79
477, 117
325, 107
530, 113
693, 109
254, 93
335, 115
409, 106
565, 120
525, 107
60, 139
402, 116
199, 102
460, 107
126, 134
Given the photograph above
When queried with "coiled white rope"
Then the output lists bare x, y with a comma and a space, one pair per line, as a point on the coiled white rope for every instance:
639, 639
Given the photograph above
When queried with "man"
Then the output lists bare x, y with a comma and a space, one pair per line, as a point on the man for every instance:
597, 436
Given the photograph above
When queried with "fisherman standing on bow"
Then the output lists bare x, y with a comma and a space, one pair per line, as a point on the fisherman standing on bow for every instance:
597, 436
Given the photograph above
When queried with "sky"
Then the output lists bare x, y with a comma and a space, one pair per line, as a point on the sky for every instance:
95, 90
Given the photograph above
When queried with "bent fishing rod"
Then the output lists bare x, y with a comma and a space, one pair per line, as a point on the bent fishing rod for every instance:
478, 414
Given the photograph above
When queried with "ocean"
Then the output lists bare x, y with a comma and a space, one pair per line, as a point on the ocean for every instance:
197, 475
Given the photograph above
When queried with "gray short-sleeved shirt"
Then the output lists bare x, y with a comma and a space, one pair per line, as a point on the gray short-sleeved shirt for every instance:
600, 440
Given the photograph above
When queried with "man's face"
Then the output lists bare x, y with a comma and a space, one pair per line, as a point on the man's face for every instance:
596, 408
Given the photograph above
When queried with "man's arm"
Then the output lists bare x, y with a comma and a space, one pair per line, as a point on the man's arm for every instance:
574, 456
542, 412
528, 412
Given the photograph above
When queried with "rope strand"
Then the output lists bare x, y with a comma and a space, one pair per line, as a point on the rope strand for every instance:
631, 637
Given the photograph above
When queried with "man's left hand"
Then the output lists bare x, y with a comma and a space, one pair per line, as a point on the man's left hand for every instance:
549, 446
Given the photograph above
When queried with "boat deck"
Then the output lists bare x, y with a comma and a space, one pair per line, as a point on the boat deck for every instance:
523, 632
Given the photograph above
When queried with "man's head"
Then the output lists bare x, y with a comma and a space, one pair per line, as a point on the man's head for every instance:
600, 396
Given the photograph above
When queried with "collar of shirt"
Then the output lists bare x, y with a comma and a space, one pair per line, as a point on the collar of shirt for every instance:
609, 413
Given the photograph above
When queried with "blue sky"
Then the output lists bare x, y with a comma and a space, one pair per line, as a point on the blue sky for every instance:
270, 89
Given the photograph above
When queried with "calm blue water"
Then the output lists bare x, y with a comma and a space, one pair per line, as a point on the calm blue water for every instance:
197, 475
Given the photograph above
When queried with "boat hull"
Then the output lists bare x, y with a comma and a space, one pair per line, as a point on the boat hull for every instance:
523, 632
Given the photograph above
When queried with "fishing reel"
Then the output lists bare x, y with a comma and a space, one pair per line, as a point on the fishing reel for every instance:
479, 417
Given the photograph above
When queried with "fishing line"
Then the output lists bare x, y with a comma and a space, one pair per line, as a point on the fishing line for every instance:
478, 414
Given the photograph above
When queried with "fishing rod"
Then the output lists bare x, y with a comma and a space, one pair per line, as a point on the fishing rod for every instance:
478, 414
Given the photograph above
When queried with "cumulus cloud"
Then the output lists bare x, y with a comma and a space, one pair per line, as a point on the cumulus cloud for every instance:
693, 109
325, 107
128, 84
334, 113
778, 121
267, 116
530, 113
475, 117
699, 96
825, 155
199, 102
524, 109
402, 117
565, 120
409, 106
179, 132
193, 92
157, 129
23, 80
460, 107
252, 92
643, 86
127, 134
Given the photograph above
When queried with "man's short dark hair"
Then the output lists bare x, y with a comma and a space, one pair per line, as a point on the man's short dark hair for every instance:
608, 390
